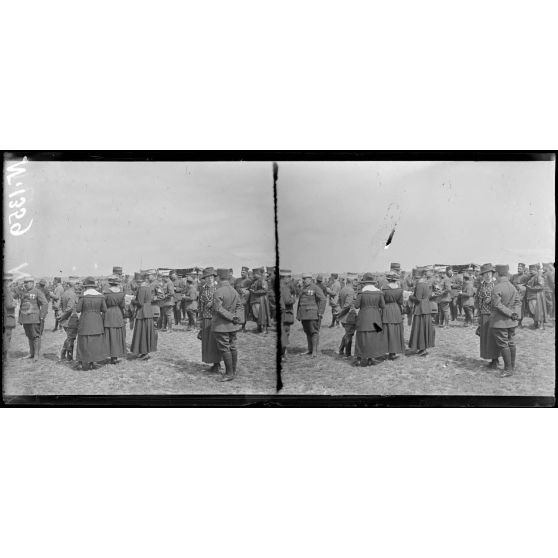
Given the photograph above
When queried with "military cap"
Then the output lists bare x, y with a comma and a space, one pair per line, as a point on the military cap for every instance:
150, 272
486, 268
335, 275
223, 274
189, 279
285, 272
43, 282
89, 282
307, 276
244, 268
319, 277
449, 268
395, 266
522, 265
29, 279
533, 267
502, 269
466, 275
113, 279
392, 276
207, 272
117, 270
8, 276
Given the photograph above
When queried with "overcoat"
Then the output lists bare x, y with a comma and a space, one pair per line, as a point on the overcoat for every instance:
311, 303
90, 308
226, 306
33, 306
114, 316
142, 302
421, 299
370, 305
505, 302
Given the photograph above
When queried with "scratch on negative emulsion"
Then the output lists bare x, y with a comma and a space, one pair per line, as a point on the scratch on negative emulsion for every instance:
276, 286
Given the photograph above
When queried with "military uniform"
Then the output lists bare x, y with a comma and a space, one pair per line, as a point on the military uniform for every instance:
445, 300
259, 302
286, 303
242, 286
224, 323
310, 310
179, 289
8, 322
190, 303
69, 321
55, 297
505, 306
535, 302
347, 318
167, 306
33, 309
333, 292
467, 298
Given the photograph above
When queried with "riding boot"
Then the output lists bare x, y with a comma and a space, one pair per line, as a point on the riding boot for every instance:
229, 374
512, 355
37, 345
70, 351
31, 348
63, 353
332, 320
506, 356
234, 355
343, 345
315, 341
309, 341
349, 346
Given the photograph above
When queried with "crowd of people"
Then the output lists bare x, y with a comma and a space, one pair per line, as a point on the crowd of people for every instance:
94, 313
372, 309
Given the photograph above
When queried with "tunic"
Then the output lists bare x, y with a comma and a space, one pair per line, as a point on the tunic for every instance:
423, 334
91, 346
144, 338
392, 318
371, 340
115, 328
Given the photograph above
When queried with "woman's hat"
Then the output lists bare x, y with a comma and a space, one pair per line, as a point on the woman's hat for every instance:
486, 267
207, 272
368, 278
89, 282
307, 276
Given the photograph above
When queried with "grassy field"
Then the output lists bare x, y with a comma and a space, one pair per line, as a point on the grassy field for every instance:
453, 367
176, 368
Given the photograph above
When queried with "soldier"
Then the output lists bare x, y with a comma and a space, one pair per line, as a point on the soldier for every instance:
521, 272
167, 305
333, 293
156, 297
549, 291
310, 310
224, 323
503, 319
467, 298
9, 322
455, 304
190, 303
55, 297
445, 299
347, 317
259, 301
42, 286
534, 302
242, 286
209, 348
179, 288
69, 320
286, 301
33, 309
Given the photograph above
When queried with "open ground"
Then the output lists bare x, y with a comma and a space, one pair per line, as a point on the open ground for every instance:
175, 368
453, 367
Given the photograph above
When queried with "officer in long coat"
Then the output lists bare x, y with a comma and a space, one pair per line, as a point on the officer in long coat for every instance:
33, 309
224, 323
504, 317
534, 304
8, 322
310, 311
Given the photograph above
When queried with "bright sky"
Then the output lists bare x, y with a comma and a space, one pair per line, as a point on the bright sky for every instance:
91, 216
336, 216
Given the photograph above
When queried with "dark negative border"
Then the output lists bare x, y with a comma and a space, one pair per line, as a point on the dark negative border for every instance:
438, 401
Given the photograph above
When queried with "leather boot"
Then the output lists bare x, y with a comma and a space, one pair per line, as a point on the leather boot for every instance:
315, 340
348, 347
343, 345
332, 321
506, 356
31, 348
37, 343
512, 355
63, 354
234, 355
70, 351
309, 341
229, 374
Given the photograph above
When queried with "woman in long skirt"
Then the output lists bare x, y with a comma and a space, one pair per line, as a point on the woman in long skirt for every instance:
423, 335
371, 341
210, 351
115, 329
144, 339
91, 345
392, 316
488, 349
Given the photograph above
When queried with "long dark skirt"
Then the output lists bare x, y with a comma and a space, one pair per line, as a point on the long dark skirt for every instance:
261, 311
115, 338
144, 339
91, 348
210, 351
395, 338
423, 334
488, 347
370, 344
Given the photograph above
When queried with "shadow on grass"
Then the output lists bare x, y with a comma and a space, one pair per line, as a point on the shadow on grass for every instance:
469, 363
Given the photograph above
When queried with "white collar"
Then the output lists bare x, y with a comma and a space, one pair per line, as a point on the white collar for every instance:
92, 292
368, 288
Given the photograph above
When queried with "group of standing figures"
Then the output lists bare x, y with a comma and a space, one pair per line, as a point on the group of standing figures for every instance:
94, 316
374, 313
